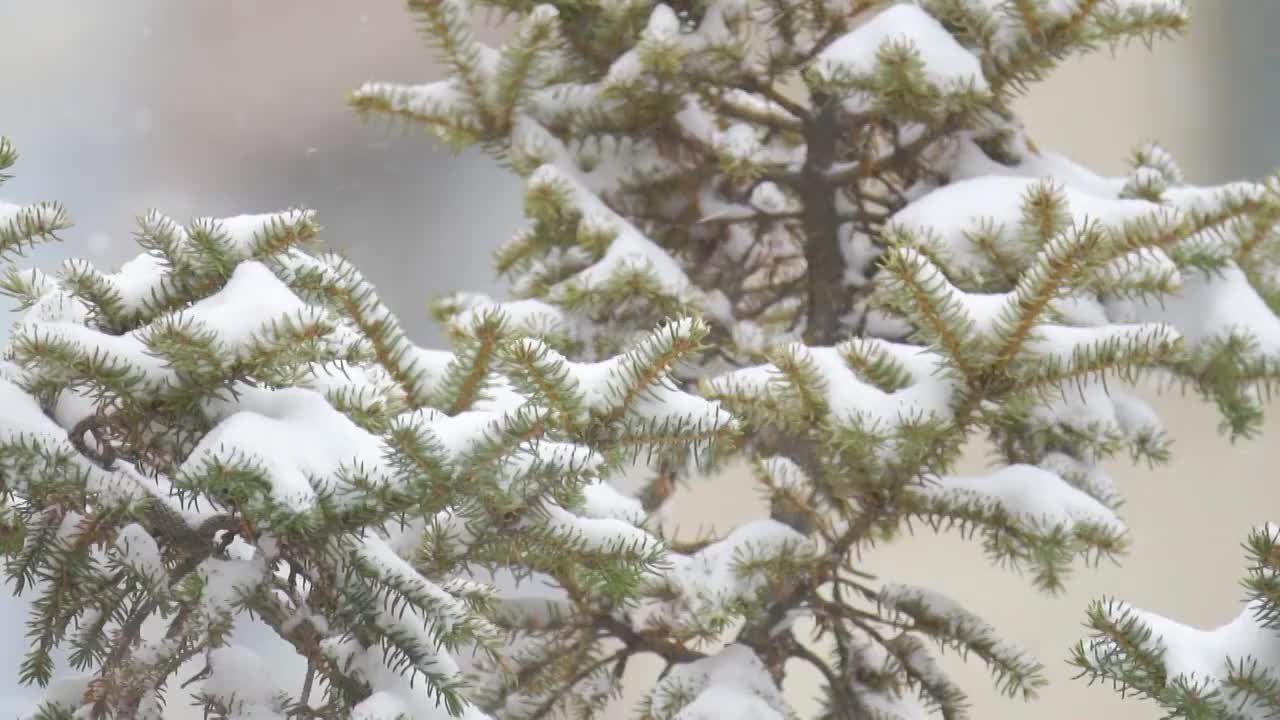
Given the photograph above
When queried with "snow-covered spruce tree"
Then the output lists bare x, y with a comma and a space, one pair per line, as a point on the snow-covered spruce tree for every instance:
231, 432
886, 267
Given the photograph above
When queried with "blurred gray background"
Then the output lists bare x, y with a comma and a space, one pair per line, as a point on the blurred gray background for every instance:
222, 108
219, 108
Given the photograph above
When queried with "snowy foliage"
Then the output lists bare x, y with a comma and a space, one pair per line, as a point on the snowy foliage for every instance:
809, 237
887, 266
233, 427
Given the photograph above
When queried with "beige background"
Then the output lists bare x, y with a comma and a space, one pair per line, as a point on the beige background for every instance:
227, 107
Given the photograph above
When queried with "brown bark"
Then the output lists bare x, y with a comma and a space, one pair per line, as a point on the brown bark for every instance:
825, 260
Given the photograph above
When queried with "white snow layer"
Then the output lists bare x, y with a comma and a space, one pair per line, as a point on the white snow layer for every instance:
1008, 25
731, 684
1032, 494
947, 64
712, 578
630, 250
294, 435
1206, 306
